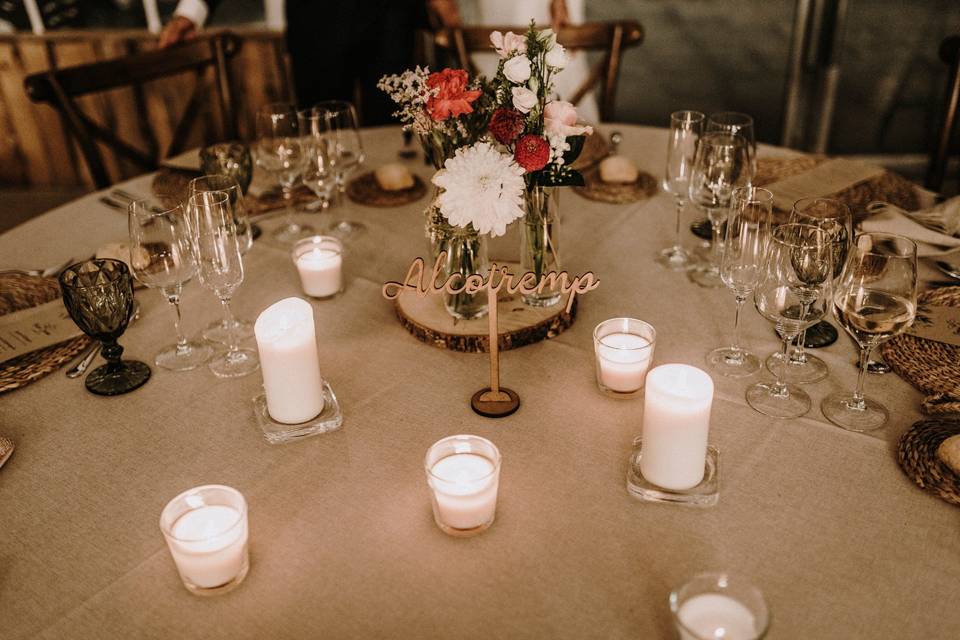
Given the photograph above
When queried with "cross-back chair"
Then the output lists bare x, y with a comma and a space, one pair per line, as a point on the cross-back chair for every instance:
950, 54
60, 87
610, 37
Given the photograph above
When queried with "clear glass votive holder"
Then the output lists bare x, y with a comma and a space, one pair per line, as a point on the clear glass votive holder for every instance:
624, 351
719, 605
319, 261
206, 532
463, 473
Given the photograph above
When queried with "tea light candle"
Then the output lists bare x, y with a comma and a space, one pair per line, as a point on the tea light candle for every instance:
319, 262
206, 532
676, 421
624, 350
712, 615
286, 340
464, 475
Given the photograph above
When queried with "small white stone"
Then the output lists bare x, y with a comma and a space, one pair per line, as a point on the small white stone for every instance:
393, 177
618, 169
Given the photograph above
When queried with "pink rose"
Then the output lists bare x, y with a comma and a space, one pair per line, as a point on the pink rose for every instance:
505, 44
560, 119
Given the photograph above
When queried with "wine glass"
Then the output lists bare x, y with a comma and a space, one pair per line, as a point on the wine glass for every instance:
161, 256
318, 173
217, 331
721, 165
98, 295
220, 267
280, 152
875, 299
792, 294
345, 151
685, 130
736, 123
833, 217
745, 245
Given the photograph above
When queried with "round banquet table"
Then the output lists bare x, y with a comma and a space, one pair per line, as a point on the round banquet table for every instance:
342, 539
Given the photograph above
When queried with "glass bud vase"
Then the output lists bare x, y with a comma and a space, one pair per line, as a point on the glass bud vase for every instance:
466, 255
540, 248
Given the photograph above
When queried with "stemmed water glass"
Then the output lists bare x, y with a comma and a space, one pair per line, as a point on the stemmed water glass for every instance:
161, 256
792, 294
345, 152
280, 152
98, 295
721, 165
875, 300
220, 267
318, 172
834, 217
217, 331
744, 249
685, 130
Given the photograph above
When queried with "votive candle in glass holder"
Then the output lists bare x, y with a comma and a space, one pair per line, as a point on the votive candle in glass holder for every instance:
719, 605
463, 473
206, 532
624, 350
319, 261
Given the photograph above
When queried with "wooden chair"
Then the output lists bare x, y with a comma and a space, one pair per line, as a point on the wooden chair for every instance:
60, 87
950, 54
610, 37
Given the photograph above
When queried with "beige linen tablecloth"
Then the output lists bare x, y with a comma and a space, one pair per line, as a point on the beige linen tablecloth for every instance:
343, 544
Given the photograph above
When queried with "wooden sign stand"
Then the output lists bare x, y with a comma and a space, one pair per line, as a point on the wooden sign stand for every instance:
493, 401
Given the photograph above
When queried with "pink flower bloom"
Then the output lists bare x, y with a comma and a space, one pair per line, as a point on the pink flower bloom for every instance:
560, 119
505, 44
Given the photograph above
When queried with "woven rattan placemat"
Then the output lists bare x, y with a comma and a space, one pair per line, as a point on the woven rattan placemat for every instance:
18, 292
645, 186
917, 455
365, 190
171, 186
932, 367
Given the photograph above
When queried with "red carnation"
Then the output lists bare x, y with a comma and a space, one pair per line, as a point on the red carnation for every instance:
506, 125
453, 98
532, 153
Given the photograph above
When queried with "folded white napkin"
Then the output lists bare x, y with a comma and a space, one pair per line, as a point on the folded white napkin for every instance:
889, 218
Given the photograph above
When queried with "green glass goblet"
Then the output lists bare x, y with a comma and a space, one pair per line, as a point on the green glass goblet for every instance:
98, 295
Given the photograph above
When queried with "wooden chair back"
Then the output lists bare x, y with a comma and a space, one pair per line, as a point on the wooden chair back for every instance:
60, 87
610, 37
950, 54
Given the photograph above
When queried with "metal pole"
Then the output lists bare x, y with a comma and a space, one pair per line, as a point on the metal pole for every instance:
829, 79
793, 95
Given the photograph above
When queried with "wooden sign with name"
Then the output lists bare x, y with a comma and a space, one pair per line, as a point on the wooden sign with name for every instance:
494, 401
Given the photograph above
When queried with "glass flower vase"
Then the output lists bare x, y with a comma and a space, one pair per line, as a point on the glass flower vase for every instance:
540, 248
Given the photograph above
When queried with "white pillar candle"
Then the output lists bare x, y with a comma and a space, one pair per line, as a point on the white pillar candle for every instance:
623, 359
712, 615
319, 262
676, 421
286, 340
464, 475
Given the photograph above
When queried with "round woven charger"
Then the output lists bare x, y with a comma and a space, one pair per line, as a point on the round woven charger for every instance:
171, 187
364, 189
917, 455
19, 292
931, 366
594, 188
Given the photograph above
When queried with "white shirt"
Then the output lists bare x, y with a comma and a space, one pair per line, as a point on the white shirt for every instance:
196, 11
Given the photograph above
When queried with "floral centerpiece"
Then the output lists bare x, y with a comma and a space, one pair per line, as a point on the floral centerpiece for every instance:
544, 137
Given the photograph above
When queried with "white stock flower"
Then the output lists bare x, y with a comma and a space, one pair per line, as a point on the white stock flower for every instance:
557, 57
507, 43
517, 69
548, 38
481, 186
524, 99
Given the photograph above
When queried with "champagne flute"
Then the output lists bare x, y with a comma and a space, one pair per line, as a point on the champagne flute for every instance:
161, 256
834, 217
217, 331
345, 152
792, 294
220, 267
685, 130
875, 300
280, 152
745, 245
721, 165
318, 173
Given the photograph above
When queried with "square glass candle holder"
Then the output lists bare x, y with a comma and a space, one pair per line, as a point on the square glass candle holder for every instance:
206, 532
623, 348
463, 473
719, 605
319, 262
